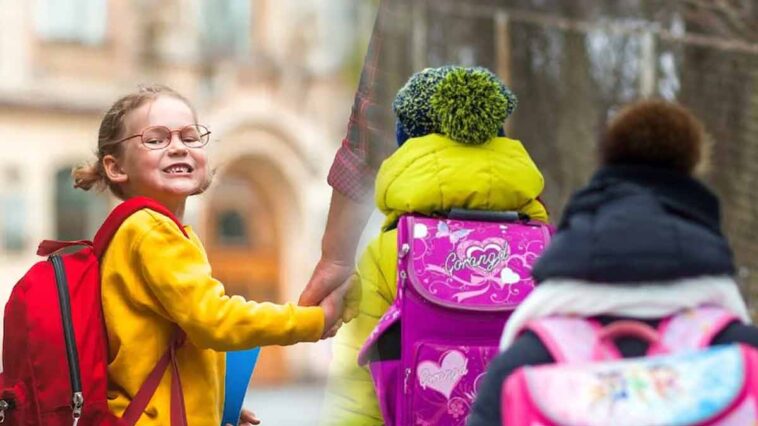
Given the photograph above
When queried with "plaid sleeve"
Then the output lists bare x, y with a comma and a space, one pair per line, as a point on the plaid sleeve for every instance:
352, 172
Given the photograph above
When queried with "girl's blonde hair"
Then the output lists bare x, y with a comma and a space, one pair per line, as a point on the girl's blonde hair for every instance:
112, 128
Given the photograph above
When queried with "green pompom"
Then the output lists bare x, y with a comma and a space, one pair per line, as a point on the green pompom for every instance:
509, 95
471, 105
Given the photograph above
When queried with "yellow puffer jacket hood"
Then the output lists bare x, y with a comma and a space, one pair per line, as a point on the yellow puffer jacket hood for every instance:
434, 174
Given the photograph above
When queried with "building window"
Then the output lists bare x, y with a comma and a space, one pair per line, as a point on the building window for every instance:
12, 211
239, 217
73, 21
78, 214
12, 221
226, 28
231, 229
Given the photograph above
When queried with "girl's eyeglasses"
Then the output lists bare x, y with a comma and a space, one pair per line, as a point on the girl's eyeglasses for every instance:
159, 137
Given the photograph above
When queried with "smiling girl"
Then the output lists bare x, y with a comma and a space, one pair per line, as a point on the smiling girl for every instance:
155, 280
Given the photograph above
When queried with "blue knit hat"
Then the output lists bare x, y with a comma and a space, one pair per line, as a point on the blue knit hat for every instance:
468, 105
412, 104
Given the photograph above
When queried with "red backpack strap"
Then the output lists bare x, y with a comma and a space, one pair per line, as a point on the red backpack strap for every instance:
48, 247
178, 410
138, 404
121, 213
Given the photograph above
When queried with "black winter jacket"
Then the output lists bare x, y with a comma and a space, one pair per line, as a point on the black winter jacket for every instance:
637, 223
631, 224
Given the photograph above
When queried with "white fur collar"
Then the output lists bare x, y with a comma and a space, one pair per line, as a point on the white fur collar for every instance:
645, 300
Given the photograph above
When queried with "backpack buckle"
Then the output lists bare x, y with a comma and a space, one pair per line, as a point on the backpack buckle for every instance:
10, 398
4, 405
404, 250
76, 407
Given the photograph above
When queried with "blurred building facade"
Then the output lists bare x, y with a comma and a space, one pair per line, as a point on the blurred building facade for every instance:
273, 80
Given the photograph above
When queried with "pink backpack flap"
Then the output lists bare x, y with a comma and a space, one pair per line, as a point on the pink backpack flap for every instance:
681, 381
458, 282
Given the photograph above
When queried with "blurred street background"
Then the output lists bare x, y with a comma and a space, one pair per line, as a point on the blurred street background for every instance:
291, 405
274, 80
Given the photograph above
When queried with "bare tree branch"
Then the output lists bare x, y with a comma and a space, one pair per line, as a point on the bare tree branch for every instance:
731, 18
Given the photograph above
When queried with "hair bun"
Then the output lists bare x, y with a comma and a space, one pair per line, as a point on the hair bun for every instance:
655, 133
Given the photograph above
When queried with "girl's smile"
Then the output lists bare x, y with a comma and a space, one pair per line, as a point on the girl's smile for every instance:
167, 173
179, 169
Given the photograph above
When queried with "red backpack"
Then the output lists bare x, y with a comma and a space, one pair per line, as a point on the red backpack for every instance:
54, 324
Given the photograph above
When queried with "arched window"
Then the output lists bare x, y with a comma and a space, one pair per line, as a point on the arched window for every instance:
231, 229
239, 217
78, 214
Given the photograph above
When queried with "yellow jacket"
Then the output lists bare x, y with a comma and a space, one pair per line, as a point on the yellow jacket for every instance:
154, 278
425, 175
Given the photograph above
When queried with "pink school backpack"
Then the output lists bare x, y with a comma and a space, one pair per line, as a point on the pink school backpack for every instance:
458, 281
680, 382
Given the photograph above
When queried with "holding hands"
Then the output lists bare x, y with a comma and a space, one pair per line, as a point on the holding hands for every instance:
338, 304
334, 285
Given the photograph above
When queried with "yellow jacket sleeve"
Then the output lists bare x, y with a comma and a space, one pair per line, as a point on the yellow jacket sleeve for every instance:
350, 396
178, 275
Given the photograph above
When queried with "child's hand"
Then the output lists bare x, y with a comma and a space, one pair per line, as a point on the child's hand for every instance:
333, 305
352, 298
247, 418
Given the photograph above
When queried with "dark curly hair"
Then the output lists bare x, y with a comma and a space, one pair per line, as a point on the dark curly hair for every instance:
656, 133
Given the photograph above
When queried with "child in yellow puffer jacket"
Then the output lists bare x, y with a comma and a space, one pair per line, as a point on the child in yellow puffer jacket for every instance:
452, 154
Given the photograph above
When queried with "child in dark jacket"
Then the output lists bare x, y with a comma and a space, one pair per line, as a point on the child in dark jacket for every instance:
641, 241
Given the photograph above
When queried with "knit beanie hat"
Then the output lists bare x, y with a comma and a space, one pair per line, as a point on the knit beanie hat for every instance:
654, 133
469, 105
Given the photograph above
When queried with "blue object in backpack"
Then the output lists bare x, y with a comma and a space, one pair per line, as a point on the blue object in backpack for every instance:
239, 370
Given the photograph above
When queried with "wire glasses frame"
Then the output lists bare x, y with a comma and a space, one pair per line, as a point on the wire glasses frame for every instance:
159, 137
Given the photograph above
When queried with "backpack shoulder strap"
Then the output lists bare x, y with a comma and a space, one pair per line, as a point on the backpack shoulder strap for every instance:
691, 329
568, 339
121, 213
141, 399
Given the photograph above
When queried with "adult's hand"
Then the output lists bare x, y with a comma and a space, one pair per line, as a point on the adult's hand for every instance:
333, 274
344, 225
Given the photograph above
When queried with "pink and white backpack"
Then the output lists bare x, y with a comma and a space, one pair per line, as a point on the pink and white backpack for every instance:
458, 282
680, 382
